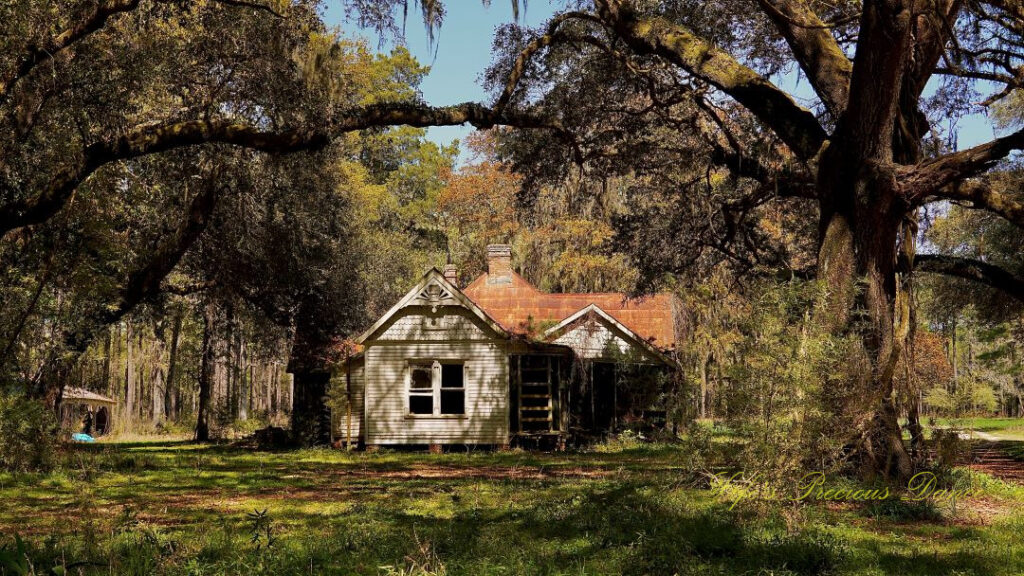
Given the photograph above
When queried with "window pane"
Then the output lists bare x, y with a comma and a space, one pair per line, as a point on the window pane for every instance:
451, 375
535, 363
420, 378
421, 404
453, 402
540, 376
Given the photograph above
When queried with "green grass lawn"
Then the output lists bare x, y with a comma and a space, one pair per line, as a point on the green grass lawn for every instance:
1001, 428
176, 508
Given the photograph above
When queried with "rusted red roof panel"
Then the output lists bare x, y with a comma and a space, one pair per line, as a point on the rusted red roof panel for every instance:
518, 304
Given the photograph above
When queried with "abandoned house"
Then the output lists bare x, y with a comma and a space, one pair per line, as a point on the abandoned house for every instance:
501, 362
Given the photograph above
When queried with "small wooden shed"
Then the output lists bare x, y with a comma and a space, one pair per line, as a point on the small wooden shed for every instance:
85, 411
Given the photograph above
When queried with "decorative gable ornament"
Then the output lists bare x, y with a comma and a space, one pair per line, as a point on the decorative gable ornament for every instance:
433, 295
433, 290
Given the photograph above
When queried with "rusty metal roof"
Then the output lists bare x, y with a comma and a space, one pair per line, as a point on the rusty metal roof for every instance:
86, 397
521, 308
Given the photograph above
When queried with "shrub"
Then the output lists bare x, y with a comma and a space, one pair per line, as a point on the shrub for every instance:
28, 434
950, 449
900, 510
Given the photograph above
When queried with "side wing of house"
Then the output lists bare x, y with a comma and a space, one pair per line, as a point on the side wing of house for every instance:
593, 334
348, 388
436, 371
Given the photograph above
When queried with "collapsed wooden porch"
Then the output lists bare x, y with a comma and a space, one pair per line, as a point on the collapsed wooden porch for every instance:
557, 398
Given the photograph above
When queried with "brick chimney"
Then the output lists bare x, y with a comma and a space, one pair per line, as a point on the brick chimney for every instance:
499, 264
451, 274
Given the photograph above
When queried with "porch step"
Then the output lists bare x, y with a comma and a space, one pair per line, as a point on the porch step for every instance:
535, 396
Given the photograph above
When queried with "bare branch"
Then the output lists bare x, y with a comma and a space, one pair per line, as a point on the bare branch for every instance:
969, 269
928, 178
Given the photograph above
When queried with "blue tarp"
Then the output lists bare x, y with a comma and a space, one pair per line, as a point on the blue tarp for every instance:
79, 437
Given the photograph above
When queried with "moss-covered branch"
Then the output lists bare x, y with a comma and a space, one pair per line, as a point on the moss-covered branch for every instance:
154, 139
981, 196
975, 270
934, 177
794, 124
92, 20
818, 53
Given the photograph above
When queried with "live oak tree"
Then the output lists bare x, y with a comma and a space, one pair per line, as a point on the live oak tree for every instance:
861, 155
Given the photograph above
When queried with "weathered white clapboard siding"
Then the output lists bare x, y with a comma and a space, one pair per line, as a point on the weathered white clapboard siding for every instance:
421, 323
595, 340
352, 378
450, 333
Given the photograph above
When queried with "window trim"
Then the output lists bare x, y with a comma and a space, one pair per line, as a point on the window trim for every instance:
435, 388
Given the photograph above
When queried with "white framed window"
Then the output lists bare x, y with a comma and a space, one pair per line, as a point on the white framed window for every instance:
436, 388
421, 389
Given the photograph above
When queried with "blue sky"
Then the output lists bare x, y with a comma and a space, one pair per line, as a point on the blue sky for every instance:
462, 51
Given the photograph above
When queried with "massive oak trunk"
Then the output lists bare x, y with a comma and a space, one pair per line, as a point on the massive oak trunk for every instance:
862, 231
867, 232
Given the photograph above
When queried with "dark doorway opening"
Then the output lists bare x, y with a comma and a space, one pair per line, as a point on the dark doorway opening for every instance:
603, 396
102, 421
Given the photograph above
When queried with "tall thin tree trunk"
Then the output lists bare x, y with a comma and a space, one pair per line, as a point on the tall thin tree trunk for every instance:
242, 382
129, 379
703, 387
170, 393
206, 375
159, 394
107, 349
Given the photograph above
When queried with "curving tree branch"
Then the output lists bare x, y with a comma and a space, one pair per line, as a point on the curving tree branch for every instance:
95, 18
982, 197
145, 282
92, 20
970, 269
818, 53
794, 124
542, 41
159, 138
928, 178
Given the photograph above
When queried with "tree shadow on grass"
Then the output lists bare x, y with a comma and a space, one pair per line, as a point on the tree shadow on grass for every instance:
636, 532
623, 523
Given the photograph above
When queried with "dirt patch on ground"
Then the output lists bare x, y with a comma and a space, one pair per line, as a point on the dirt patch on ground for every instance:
476, 472
189, 504
993, 459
